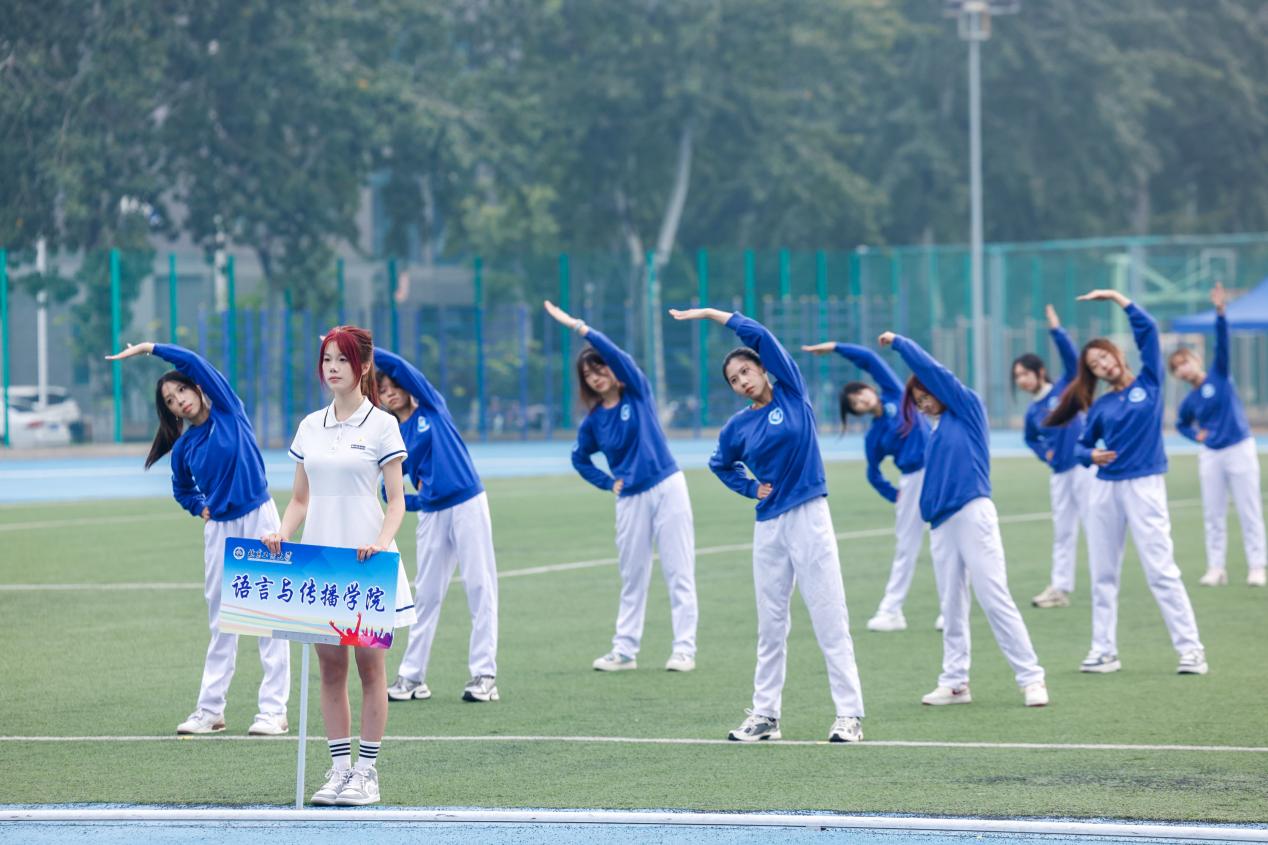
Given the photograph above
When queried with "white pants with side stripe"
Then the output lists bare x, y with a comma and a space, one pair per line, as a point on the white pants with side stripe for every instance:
222, 651
1233, 470
799, 548
1138, 504
659, 517
909, 533
460, 537
967, 549
1068, 491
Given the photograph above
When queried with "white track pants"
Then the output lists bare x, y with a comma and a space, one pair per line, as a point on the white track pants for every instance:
909, 533
1232, 470
459, 537
1139, 504
1069, 492
659, 516
967, 549
222, 651
800, 547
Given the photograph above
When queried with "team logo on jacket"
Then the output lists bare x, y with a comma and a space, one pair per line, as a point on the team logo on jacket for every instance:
1208, 390
423, 425
625, 413
1052, 403
775, 417
238, 553
1136, 395
891, 410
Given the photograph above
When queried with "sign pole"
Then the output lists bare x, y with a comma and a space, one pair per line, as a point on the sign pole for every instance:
303, 726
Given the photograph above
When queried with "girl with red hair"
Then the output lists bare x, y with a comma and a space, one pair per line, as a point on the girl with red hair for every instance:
341, 451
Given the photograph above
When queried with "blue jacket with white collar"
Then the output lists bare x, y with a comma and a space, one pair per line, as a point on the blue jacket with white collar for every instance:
1062, 440
1214, 406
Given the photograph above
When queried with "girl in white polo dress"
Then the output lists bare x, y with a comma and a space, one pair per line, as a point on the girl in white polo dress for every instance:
341, 451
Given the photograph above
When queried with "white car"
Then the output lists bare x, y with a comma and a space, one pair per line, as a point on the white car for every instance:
56, 424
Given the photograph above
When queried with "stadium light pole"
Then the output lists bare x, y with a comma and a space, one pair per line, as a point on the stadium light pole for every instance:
974, 26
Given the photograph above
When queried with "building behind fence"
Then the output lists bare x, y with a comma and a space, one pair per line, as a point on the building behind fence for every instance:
477, 329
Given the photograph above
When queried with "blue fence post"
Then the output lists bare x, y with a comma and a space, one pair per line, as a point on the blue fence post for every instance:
565, 338
4, 339
702, 338
394, 317
173, 312
310, 383
116, 328
523, 314
231, 336
479, 339
288, 369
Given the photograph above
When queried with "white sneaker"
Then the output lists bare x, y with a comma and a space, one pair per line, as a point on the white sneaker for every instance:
945, 695
1192, 663
939, 623
479, 688
1257, 578
756, 728
361, 788
1036, 694
1100, 663
269, 724
1051, 597
887, 622
613, 662
403, 689
680, 662
201, 722
846, 729
1214, 578
329, 793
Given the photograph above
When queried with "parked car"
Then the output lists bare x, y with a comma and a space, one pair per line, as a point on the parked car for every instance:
56, 424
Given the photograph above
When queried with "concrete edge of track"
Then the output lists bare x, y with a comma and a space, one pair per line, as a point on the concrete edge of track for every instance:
1098, 829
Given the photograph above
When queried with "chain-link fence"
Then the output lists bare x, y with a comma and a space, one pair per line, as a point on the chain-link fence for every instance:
477, 329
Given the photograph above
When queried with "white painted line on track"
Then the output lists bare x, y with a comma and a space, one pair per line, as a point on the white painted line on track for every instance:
537, 570
1121, 830
640, 740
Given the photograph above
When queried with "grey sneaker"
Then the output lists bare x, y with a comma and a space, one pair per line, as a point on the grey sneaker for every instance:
329, 792
613, 662
480, 688
756, 728
361, 788
201, 722
1100, 663
403, 689
1051, 597
846, 729
1192, 663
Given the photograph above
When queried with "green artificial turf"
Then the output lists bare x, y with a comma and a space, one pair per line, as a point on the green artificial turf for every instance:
127, 663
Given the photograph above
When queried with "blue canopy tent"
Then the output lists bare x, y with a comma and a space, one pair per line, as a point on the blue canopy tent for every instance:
1246, 313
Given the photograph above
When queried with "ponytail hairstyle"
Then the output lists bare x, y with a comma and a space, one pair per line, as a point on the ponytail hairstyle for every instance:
357, 346
1029, 361
847, 393
170, 425
740, 352
1080, 392
909, 412
588, 359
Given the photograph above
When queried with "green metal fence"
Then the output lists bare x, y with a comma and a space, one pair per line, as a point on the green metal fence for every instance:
476, 326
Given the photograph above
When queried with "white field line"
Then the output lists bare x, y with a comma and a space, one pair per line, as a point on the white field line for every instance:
638, 740
811, 821
90, 520
530, 570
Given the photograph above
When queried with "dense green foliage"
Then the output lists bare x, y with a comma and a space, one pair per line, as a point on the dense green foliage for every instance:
632, 125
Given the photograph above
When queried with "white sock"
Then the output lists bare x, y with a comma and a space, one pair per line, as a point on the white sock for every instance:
341, 753
367, 754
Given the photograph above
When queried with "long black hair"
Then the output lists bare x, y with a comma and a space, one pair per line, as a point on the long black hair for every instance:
1030, 361
170, 425
588, 359
847, 393
740, 352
